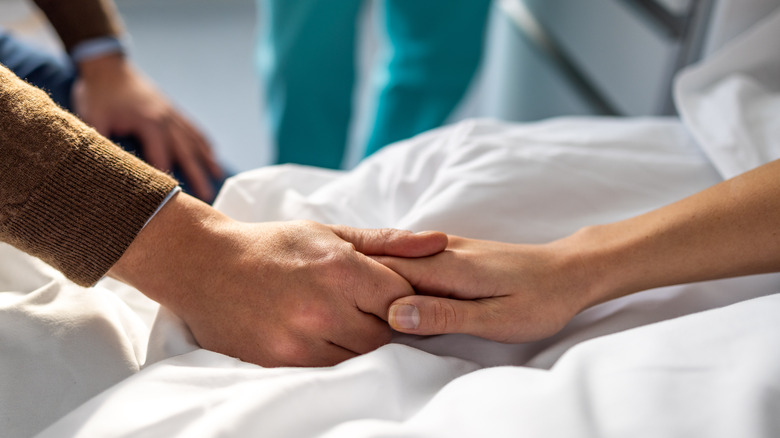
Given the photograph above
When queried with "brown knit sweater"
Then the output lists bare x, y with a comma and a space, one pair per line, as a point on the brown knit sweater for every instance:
79, 20
68, 195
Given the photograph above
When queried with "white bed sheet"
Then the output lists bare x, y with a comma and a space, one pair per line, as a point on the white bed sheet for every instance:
692, 360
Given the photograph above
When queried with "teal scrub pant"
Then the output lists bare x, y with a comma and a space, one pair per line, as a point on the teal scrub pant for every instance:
306, 60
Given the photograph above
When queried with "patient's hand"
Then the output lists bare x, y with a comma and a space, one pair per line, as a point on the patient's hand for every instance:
517, 293
498, 291
282, 293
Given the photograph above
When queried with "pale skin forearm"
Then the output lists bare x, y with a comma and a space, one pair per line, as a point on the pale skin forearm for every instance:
731, 229
520, 293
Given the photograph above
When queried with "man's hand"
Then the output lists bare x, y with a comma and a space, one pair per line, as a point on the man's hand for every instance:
276, 294
498, 291
115, 99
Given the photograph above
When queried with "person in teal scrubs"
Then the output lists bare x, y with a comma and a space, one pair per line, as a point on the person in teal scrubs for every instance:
306, 58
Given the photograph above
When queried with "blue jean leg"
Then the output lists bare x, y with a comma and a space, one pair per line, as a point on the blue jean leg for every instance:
52, 74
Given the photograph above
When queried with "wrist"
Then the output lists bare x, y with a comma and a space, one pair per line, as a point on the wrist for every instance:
96, 47
177, 242
105, 67
596, 259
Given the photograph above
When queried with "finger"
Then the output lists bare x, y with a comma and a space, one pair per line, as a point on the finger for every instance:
208, 158
202, 146
371, 287
388, 241
84, 110
426, 315
192, 169
430, 275
100, 124
155, 147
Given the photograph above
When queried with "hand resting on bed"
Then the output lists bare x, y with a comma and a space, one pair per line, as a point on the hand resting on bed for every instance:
520, 293
276, 294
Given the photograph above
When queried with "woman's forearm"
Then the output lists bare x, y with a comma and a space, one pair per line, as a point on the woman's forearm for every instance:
731, 229
521, 293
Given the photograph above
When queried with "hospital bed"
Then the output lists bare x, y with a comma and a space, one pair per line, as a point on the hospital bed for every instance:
547, 58
603, 49
697, 360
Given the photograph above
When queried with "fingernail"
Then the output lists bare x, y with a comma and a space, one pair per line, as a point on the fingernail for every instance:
423, 233
405, 316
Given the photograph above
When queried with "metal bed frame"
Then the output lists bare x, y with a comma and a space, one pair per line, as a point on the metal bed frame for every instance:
686, 30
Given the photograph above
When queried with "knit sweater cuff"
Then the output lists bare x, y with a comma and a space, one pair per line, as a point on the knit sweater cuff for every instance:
68, 195
83, 217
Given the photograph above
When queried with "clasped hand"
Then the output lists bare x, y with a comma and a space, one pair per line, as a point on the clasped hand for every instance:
301, 293
293, 293
313, 297
504, 292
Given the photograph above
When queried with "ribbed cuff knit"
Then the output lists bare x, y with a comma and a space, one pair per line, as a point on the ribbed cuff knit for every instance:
68, 195
83, 217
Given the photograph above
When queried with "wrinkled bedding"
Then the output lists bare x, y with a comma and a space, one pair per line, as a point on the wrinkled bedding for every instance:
690, 360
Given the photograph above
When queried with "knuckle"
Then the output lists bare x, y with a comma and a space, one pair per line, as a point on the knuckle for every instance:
336, 274
445, 317
387, 233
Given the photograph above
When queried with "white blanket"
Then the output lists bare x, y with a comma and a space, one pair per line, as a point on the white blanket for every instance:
693, 360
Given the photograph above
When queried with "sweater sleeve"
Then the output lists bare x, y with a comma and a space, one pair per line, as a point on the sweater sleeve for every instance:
68, 195
79, 20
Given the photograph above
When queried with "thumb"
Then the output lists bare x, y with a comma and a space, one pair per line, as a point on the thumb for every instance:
427, 315
392, 242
